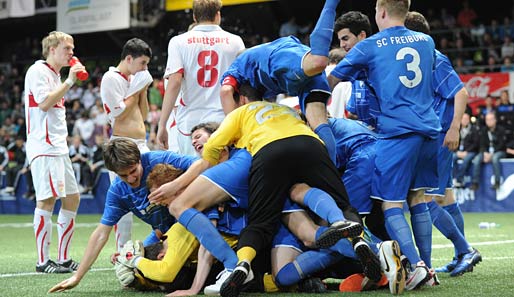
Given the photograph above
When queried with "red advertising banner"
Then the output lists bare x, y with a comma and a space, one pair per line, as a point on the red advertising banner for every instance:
480, 86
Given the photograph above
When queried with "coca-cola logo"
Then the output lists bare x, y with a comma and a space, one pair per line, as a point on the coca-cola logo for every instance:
478, 86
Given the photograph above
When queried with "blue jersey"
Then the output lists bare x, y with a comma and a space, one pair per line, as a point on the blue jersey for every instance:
276, 68
122, 199
397, 63
446, 84
363, 103
349, 135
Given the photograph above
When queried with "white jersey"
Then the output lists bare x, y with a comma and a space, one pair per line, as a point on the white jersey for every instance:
46, 130
341, 93
116, 87
202, 55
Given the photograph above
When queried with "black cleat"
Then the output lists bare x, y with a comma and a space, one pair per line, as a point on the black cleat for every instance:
369, 261
70, 264
337, 231
52, 267
240, 276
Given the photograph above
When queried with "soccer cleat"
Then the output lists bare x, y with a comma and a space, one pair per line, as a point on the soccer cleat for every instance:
70, 264
369, 261
433, 279
389, 254
448, 267
240, 276
466, 263
337, 231
417, 277
358, 282
52, 267
214, 289
312, 285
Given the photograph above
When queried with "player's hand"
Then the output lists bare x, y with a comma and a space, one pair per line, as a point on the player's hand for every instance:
164, 194
130, 252
189, 292
162, 138
78, 67
124, 274
451, 140
67, 284
113, 258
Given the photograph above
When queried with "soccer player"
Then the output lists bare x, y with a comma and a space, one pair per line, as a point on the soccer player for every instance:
397, 64
123, 92
127, 193
287, 66
449, 104
47, 150
351, 28
196, 60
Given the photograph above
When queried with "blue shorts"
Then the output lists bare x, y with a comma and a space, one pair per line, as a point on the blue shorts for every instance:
403, 163
232, 177
290, 206
357, 177
284, 238
444, 168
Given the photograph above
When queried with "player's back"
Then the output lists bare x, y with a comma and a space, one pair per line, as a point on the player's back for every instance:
398, 65
202, 55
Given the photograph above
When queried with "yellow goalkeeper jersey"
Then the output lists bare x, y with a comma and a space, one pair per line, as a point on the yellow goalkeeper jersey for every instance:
254, 125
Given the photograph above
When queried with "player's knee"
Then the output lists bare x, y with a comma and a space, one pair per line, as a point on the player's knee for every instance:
297, 192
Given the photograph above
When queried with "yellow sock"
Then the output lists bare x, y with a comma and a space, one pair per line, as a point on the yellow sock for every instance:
246, 254
269, 284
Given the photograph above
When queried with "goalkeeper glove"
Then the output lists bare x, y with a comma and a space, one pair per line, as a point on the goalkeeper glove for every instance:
124, 274
131, 253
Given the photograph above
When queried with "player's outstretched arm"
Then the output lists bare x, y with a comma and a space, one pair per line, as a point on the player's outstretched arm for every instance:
451, 139
96, 242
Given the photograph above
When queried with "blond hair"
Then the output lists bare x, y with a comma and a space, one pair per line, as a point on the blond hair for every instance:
206, 10
52, 40
395, 8
161, 174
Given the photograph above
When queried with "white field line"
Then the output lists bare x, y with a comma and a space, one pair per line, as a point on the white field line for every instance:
30, 225
436, 246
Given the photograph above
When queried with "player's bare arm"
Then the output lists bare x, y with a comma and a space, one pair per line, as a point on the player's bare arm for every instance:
227, 98
56, 95
168, 102
130, 123
96, 243
451, 140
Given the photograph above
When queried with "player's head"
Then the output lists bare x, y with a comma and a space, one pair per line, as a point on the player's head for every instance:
207, 11
416, 21
201, 133
388, 11
351, 28
123, 157
247, 94
156, 251
161, 174
58, 47
136, 54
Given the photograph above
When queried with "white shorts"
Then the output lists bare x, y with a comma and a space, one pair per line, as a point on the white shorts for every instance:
141, 145
53, 176
185, 147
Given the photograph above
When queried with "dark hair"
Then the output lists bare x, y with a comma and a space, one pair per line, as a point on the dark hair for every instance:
355, 21
120, 154
136, 48
210, 127
336, 55
250, 92
153, 250
415, 21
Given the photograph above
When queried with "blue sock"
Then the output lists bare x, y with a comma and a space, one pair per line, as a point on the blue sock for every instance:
444, 223
421, 223
325, 133
399, 230
458, 218
321, 36
198, 224
305, 265
323, 205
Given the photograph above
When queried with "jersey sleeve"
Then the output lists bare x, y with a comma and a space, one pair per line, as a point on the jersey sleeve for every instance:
228, 132
181, 244
113, 209
178, 161
112, 94
174, 63
447, 82
350, 105
38, 84
353, 65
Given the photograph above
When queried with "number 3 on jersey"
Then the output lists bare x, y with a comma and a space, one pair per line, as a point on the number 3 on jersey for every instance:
412, 66
207, 75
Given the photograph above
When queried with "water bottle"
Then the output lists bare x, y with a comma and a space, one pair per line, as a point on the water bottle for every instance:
82, 75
